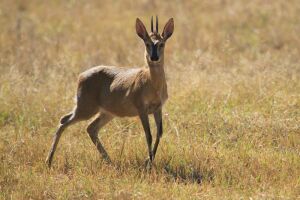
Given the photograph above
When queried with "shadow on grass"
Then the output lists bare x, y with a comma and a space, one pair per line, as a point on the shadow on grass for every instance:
187, 172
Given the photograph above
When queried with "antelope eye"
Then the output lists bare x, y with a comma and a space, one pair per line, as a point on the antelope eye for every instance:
148, 45
161, 45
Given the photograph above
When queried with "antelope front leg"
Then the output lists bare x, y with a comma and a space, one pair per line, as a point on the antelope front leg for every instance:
158, 122
145, 121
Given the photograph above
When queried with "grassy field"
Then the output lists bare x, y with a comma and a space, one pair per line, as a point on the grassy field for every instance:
231, 124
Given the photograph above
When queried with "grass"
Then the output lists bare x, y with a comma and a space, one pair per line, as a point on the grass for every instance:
231, 124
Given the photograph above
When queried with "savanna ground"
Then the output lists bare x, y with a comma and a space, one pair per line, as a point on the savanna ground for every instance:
231, 124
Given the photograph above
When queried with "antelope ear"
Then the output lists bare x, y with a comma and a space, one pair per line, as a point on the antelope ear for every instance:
168, 29
140, 29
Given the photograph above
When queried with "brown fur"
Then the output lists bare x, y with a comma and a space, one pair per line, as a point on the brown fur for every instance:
120, 92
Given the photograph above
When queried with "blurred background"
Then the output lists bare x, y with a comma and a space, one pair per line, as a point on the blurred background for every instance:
231, 121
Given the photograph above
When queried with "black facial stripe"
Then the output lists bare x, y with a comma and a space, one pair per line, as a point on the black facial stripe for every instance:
154, 53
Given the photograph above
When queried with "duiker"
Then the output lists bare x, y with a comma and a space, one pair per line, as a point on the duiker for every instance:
123, 92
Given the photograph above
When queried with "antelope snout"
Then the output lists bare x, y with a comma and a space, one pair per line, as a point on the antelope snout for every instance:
154, 58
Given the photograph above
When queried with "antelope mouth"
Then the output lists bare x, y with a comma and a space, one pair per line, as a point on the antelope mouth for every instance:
155, 61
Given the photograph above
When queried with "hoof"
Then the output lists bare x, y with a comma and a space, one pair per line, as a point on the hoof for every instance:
148, 164
48, 163
107, 160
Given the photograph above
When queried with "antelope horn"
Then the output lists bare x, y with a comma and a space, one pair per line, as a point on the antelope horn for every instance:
152, 24
156, 24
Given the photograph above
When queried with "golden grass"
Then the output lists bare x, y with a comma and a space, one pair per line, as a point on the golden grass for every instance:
231, 124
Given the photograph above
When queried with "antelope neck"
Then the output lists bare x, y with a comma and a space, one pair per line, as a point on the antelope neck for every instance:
157, 74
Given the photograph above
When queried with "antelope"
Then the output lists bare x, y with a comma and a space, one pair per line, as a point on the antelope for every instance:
110, 92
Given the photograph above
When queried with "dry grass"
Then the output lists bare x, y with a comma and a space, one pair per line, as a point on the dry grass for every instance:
231, 125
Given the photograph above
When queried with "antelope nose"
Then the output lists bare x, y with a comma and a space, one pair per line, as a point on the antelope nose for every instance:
154, 58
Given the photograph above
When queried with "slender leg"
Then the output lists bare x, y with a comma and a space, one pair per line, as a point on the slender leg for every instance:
68, 120
158, 122
93, 130
145, 121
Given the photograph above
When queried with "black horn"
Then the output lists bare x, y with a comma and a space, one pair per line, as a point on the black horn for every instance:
156, 24
152, 24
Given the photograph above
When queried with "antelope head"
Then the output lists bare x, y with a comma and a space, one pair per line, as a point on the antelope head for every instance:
154, 42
